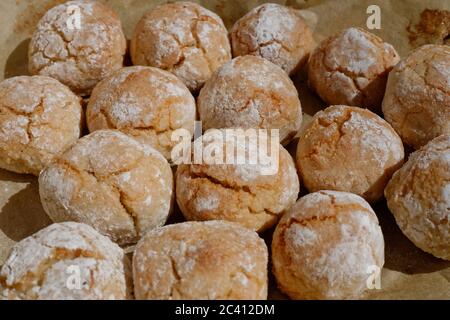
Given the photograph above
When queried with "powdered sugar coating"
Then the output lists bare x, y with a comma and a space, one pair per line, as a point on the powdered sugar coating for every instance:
243, 193
144, 102
183, 38
79, 58
39, 118
112, 182
274, 32
349, 149
325, 245
251, 92
201, 260
418, 196
417, 100
351, 68
39, 267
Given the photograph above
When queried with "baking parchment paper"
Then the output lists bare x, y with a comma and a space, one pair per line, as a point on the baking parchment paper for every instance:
408, 273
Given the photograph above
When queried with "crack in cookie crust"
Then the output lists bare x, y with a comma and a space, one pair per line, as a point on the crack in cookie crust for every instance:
78, 58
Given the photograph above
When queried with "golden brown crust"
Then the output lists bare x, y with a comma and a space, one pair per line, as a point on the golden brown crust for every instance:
351, 68
239, 193
325, 245
79, 58
274, 32
201, 260
42, 267
144, 102
39, 118
418, 196
349, 149
251, 92
183, 38
112, 182
417, 100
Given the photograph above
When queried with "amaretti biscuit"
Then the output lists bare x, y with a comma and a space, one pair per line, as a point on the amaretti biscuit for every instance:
349, 149
251, 92
110, 181
212, 260
144, 102
66, 261
39, 118
418, 196
417, 100
183, 38
351, 68
79, 43
274, 32
253, 195
327, 246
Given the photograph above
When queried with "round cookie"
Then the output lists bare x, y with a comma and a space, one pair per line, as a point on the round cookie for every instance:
144, 102
79, 52
349, 149
183, 38
274, 32
212, 260
39, 118
417, 100
108, 180
351, 68
251, 92
327, 246
253, 195
418, 196
66, 261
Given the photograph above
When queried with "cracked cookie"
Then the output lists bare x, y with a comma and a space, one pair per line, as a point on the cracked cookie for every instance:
418, 196
274, 32
183, 38
144, 102
251, 92
39, 118
253, 195
352, 68
349, 149
212, 260
66, 261
111, 181
417, 99
326, 247
79, 58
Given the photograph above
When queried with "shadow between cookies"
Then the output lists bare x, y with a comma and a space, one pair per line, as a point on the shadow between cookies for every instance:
400, 253
22, 214
17, 62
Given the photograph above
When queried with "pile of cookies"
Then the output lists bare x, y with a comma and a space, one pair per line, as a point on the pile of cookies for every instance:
115, 187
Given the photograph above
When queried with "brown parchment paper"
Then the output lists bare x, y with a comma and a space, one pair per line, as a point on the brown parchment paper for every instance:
409, 273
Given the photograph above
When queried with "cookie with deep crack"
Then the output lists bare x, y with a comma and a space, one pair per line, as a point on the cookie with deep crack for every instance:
78, 43
349, 149
274, 32
418, 196
39, 118
212, 260
183, 38
144, 102
111, 181
66, 261
417, 100
252, 193
251, 92
351, 68
327, 246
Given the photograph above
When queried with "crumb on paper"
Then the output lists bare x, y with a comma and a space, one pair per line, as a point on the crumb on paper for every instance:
433, 28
